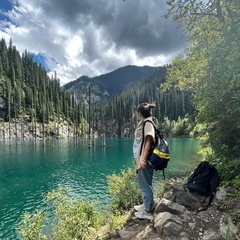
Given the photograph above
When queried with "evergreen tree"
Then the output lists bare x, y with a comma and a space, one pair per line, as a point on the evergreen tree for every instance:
209, 68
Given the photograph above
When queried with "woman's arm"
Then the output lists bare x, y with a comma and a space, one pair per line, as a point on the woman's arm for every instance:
147, 148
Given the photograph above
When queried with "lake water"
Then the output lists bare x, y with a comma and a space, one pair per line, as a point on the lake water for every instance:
28, 172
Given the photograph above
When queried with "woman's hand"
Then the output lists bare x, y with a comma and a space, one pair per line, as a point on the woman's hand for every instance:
142, 164
147, 147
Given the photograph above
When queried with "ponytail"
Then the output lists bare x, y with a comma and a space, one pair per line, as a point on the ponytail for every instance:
146, 109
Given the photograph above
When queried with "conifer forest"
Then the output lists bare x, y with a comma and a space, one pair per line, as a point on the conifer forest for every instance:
29, 95
197, 95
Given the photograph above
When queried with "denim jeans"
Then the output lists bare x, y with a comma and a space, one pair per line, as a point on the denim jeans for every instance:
145, 178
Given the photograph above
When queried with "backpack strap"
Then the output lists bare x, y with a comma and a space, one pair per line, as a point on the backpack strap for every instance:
144, 138
144, 134
214, 185
163, 174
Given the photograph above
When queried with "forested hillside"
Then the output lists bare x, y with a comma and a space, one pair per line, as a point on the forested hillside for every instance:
118, 116
209, 68
29, 95
114, 115
105, 86
36, 102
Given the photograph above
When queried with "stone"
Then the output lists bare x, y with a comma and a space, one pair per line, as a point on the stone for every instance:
172, 229
162, 219
192, 225
126, 234
168, 206
221, 193
227, 228
210, 235
186, 199
183, 236
177, 224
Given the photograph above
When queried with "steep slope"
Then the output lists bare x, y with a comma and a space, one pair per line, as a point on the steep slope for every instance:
47, 62
107, 85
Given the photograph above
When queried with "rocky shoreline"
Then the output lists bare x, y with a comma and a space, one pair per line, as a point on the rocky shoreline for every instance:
31, 131
175, 218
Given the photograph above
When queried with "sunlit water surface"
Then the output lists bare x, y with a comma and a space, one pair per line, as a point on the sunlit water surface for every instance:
28, 172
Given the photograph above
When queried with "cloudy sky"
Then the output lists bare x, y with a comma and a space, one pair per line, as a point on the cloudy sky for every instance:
92, 37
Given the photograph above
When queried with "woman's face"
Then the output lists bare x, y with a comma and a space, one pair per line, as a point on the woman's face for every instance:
139, 115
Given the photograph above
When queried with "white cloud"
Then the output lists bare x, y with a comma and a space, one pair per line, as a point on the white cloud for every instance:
91, 37
75, 46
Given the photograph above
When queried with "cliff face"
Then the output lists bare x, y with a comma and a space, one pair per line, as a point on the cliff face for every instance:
29, 131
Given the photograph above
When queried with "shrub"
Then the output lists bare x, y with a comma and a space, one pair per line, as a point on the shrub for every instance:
124, 189
32, 225
78, 219
69, 219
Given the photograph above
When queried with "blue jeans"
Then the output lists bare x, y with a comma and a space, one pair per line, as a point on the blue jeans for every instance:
145, 178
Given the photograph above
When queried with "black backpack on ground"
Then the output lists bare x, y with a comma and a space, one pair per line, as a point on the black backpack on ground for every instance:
204, 180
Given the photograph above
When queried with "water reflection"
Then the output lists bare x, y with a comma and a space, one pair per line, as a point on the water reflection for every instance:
28, 172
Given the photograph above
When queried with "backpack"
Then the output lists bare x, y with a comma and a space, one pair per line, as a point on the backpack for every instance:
204, 180
159, 153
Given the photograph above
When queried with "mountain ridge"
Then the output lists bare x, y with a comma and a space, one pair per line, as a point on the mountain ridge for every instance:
109, 84
47, 62
123, 76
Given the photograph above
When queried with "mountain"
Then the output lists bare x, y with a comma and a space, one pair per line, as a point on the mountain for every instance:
107, 85
102, 87
47, 62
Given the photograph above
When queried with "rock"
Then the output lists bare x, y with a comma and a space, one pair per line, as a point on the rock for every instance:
26, 130
183, 236
186, 199
172, 221
221, 193
210, 235
172, 229
162, 219
127, 234
166, 205
227, 228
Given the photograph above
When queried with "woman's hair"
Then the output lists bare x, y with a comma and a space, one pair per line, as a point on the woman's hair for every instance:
146, 109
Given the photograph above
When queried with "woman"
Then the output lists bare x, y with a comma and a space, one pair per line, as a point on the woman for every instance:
144, 171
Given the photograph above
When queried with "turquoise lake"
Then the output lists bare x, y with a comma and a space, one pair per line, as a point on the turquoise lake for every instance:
28, 172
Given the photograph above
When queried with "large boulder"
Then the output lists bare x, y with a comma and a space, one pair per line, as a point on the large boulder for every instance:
177, 218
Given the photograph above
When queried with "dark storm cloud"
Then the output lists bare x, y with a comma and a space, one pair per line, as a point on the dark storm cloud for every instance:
92, 37
137, 24
141, 25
